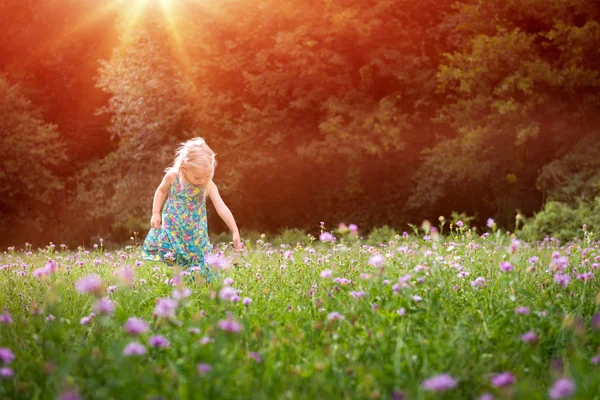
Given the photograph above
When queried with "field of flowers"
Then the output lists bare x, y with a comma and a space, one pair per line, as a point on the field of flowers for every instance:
421, 316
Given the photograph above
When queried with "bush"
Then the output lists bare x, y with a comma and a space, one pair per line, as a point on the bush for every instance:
563, 221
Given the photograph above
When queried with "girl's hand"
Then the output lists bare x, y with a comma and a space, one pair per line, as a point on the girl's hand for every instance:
155, 221
237, 243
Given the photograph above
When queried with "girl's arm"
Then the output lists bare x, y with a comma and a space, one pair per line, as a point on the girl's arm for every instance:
159, 197
224, 213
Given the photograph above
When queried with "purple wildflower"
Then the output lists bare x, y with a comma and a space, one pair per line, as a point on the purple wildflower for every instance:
357, 295
5, 318
332, 316
203, 368
326, 273
135, 326
478, 282
460, 224
563, 387
529, 337
181, 293
376, 260
246, 301
6, 355
401, 311
353, 228
596, 359
374, 307
326, 237
506, 266
134, 349
217, 261
228, 282
158, 341
227, 293
6, 372
88, 319
417, 298
70, 394
491, 223
165, 308
504, 379
206, 340
596, 321
522, 311
229, 325
255, 356
562, 279
91, 284
439, 383
104, 306
486, 396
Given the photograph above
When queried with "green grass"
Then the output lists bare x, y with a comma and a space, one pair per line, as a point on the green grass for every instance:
469, 333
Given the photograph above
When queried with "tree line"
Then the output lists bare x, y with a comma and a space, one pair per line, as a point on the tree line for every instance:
379, 112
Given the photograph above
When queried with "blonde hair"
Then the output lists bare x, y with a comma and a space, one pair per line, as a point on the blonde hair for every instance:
195, 153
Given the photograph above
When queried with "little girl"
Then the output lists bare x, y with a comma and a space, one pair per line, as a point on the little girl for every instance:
182, 237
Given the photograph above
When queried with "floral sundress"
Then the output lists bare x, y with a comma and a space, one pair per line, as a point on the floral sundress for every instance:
183, 237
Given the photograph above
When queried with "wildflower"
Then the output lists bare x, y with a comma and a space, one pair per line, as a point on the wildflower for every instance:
217, 262
478, 282
158, 341
529, 337
515, 244
326, 237
439, 383
596, 359
401, 311
227, 293
229, 325
70, 394
206, 340
486, 396
6, 355
6, 372
255, 356
228, 282
491, 223
181, 293
376, 260
165, 308
506, 266
104, 306
374, 306
460, 224
562, 279
5, 318
353, 228
246, 301
326, 273
522, 311
596, 321
357, 295
203, 368
417, 298
91, 284
334, 316
503, 379
50, 317
88, 319
135, 326
563, 387
126, 276
134, 349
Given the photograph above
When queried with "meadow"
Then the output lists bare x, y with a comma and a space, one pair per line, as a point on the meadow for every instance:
462, 315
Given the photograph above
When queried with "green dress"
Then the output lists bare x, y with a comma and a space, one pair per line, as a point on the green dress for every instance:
183, 237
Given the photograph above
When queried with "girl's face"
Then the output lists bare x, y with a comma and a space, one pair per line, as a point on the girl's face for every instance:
196, 176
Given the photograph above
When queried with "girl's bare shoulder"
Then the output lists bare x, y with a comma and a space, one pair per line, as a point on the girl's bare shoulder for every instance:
167, 181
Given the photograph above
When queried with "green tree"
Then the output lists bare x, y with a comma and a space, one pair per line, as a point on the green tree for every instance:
30, 156
521, 90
